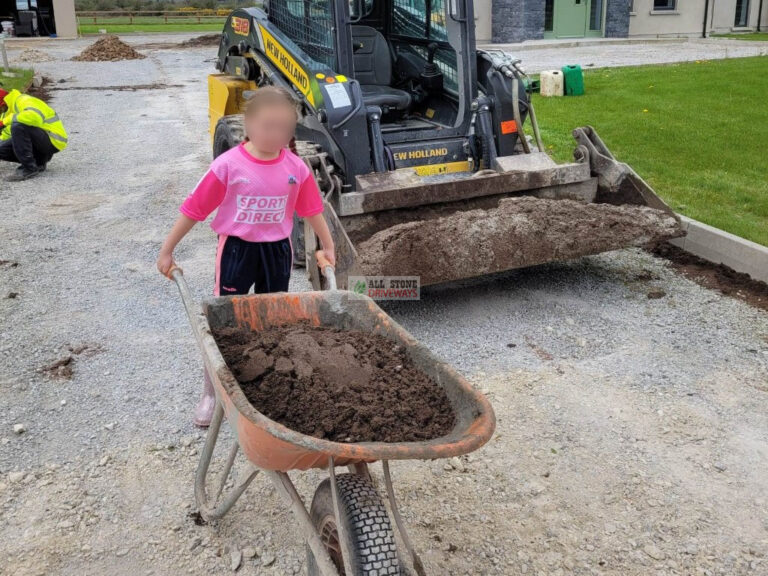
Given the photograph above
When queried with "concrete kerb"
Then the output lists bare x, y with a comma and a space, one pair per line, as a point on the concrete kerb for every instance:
721, 247
546, 44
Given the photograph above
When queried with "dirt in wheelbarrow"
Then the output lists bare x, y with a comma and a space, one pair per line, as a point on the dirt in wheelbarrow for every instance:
344, 386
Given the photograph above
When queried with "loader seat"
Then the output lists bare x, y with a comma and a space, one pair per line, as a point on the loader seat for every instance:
373, 69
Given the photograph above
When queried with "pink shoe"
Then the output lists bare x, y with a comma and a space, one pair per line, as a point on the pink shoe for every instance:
204, 409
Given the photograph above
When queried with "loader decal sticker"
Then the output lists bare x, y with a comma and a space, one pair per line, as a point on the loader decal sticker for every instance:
419, 154
241, 26
285, 62
508, 127
447, 168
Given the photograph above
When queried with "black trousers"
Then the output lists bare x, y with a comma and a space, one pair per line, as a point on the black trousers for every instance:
241, 264
29, 146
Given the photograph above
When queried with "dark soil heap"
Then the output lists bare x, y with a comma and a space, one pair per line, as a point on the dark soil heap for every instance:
345, 386
715, 276
205, 40
108, 49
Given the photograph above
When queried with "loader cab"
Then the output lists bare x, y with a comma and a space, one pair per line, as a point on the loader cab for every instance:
412, 58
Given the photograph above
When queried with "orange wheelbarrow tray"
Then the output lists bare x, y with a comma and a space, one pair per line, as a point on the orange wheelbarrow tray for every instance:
274, 449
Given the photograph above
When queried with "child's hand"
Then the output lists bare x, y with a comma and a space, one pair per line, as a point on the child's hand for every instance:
164, 262
330, 255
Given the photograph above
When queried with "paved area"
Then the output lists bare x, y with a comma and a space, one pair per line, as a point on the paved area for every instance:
538, 57
632, 404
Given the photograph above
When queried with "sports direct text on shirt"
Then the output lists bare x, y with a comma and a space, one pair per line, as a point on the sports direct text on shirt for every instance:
260, 209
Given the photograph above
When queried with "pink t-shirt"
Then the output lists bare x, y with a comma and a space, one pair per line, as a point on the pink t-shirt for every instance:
256, 198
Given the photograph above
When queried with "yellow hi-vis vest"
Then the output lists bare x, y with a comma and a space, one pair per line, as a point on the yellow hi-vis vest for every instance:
32, 112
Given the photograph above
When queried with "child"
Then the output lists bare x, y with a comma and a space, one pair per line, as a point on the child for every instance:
256, 187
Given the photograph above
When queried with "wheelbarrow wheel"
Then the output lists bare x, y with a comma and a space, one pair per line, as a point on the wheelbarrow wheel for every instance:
366, 524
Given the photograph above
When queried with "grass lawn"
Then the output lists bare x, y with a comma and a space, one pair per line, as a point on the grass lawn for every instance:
144, 28
696, 132
117, 25
756, 36
19, 82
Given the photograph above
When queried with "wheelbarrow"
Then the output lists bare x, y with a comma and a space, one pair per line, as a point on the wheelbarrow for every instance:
347, 529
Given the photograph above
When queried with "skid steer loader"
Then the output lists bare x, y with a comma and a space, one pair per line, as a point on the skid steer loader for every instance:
417, 141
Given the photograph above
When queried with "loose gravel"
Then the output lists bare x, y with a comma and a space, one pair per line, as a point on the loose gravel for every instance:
608, 54
632, 434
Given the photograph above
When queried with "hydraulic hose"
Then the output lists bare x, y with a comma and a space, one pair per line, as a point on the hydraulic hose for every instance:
535, 126
518, 120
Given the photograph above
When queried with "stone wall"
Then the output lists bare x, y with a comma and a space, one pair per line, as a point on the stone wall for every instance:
517, 20
617, 19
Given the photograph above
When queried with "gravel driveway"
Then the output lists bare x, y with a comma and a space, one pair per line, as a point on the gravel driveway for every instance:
630, 53
632, 432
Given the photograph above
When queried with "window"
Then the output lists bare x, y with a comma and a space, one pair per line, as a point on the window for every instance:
549, 15
631, 6
309, 24
596, 15
409, 18
742, 14
419, 22
664, 4
355, 4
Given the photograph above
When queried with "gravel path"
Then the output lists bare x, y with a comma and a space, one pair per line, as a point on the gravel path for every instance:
606, 54
632, 435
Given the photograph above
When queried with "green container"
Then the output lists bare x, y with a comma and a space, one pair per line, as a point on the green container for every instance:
532, 85
574, 80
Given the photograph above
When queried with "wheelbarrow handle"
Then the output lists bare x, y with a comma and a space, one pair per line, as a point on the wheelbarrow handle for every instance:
327, 269
192, 308
173, 271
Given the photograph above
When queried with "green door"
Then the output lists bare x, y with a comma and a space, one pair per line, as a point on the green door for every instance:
571, 18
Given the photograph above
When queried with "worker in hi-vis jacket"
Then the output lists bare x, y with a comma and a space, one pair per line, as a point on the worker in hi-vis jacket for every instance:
30, 133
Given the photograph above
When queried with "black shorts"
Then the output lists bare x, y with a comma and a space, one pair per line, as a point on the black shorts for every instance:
241, 264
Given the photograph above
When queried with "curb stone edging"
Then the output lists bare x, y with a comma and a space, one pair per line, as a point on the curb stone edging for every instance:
545, 45
722, 247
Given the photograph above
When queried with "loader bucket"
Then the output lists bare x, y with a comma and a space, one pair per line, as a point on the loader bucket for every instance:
526, 211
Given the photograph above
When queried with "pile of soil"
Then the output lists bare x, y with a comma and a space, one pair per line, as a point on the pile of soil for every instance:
108, 49
518, 232
715, 276
33, 56
344, 386
43, 90
205, 40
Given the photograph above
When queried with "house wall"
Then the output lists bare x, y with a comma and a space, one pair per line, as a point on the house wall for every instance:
517, 20
483, 20
688, 19
723, 15
64, 15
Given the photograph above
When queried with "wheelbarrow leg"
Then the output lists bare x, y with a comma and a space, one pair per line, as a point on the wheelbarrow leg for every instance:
417, 564
207, 506
361, 469
287, 490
